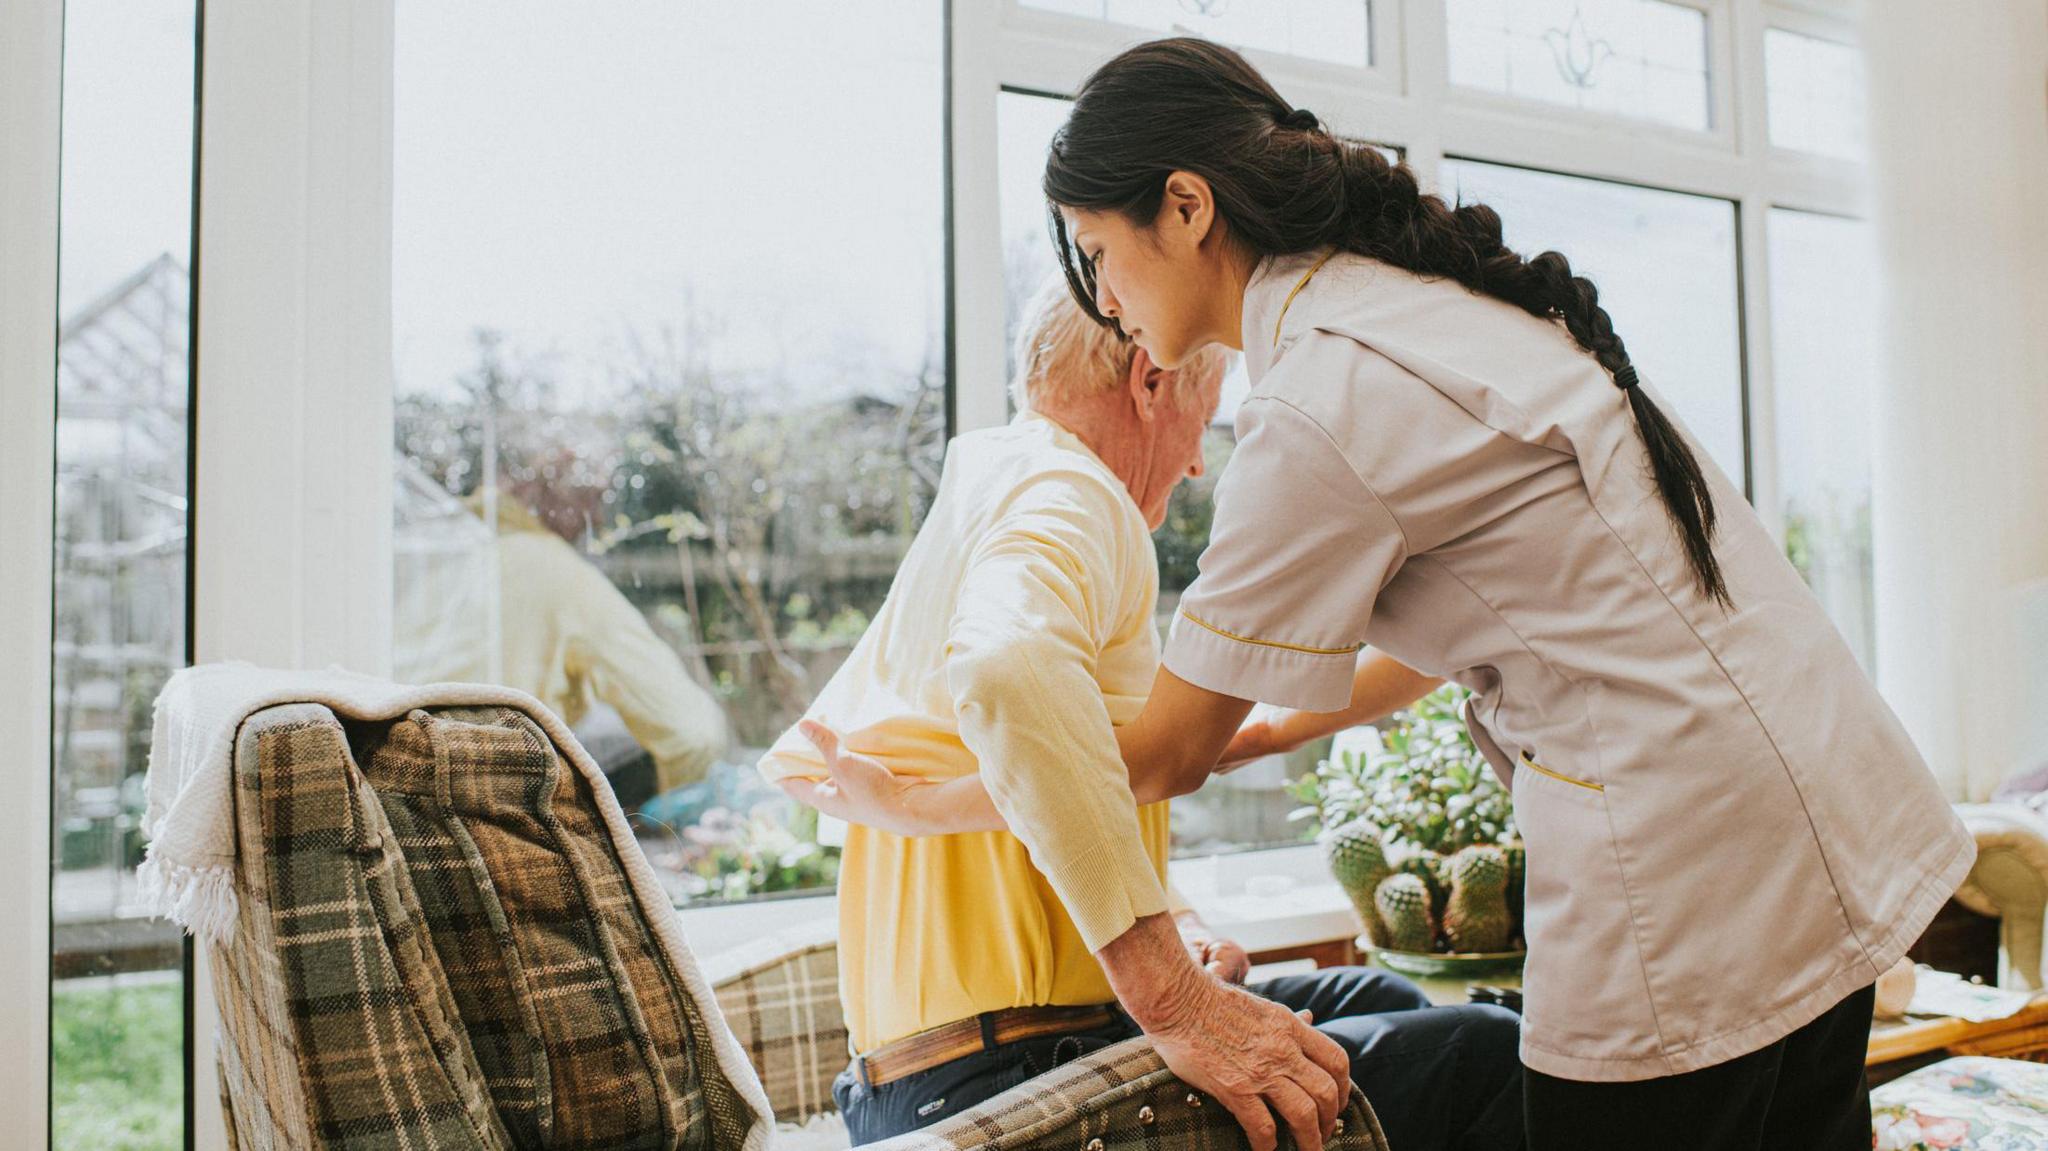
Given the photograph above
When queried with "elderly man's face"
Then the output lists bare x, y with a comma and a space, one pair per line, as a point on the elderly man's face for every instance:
1176, 448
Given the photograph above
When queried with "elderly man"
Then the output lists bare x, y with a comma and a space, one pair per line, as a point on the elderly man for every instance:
1018, 635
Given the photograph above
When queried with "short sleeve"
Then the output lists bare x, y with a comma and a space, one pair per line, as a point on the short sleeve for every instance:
1298, 551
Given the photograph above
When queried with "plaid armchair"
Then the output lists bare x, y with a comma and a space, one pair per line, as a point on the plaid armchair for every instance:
447, 938
442, 942
781, 998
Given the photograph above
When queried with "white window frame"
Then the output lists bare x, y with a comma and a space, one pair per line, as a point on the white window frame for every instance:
292, 505
31, 94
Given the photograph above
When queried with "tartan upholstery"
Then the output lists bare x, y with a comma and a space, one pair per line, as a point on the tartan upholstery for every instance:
327, 1044
784, 1009
1123, 1096
781, 997
441, 949
584, 1029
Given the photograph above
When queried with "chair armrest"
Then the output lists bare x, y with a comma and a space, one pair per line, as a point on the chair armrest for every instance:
1121, 1097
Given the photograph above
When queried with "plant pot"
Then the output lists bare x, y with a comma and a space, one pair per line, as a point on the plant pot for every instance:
1446, 964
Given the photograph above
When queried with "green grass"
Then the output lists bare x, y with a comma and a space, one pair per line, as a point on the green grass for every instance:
116, 1066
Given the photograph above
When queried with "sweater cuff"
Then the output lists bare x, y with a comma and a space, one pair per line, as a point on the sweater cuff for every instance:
1106, 889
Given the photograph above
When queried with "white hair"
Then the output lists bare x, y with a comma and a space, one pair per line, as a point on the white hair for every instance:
1063, 355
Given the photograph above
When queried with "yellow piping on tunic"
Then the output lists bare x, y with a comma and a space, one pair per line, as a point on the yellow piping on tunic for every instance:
1193, 618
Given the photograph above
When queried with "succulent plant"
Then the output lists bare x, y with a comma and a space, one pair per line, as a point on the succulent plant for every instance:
1357, 855
1425, 785
1405, 908
1476, 917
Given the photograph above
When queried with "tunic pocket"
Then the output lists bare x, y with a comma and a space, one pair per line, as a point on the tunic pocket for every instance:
1530, 761
1583, 981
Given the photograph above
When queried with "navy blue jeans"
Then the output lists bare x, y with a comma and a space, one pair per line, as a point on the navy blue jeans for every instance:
1445, 1078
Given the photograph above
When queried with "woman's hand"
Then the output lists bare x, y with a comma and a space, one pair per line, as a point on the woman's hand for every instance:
1258, 738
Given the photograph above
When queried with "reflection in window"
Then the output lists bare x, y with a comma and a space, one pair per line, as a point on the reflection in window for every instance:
1643, 59
1824, 343
669, 408
1339, 31
116, 1007
1814, 90
1665, 264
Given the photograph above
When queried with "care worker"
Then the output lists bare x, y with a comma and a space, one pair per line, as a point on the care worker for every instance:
1447, 454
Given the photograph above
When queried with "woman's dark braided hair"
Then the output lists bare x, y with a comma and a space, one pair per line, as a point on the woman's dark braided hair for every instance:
1284, 184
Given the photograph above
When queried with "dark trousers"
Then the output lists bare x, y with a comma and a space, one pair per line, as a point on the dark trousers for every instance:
1437, 1077
1806, 1092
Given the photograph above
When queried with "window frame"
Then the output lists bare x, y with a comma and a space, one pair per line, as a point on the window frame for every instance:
1812, 23
31, 88
293, 342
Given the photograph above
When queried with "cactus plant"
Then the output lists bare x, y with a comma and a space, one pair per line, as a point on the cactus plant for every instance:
1357, 854
1476, 918
1430, 799
1404, 905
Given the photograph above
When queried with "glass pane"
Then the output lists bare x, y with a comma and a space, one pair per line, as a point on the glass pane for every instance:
1815, 95
670, 376
1643, 59
1665, 264
117, 1020
1247, 808
1824, 349
1339, 31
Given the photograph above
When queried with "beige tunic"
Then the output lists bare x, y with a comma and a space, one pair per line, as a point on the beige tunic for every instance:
1728, 829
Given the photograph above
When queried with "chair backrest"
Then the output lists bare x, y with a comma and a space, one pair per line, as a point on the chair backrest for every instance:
438, 945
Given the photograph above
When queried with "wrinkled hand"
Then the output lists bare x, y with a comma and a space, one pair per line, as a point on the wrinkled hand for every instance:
1258, 1060
858, 789
1224, 959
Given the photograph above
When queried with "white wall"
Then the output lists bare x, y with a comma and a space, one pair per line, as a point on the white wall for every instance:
1959, 109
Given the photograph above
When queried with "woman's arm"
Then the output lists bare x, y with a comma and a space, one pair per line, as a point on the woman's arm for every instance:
1381, 686
1174, 744
1169, 750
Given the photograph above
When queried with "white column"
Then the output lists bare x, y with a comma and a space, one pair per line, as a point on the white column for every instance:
1960, 485
981, 393
293, 507
31, 59
292, 503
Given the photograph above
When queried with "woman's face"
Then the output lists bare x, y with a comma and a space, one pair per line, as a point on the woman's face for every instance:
1167, 285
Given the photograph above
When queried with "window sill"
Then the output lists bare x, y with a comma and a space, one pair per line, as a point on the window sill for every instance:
1265, 900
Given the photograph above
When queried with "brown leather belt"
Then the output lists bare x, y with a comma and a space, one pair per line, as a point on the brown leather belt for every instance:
985, 1032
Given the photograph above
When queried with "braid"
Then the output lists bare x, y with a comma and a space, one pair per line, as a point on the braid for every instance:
1390, 219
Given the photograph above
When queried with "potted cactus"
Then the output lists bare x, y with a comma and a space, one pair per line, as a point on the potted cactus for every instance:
1421, 836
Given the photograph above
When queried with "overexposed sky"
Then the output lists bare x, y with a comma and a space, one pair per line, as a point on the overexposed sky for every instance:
576, 175
127, 163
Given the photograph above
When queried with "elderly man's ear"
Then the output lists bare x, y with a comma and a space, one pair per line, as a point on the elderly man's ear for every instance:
1148, 383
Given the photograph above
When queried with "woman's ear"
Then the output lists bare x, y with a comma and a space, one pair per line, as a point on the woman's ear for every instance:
1187, 209
1147, 384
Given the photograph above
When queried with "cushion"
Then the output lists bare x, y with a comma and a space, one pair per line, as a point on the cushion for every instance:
1973, 1102
582, 1029
335, 1022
